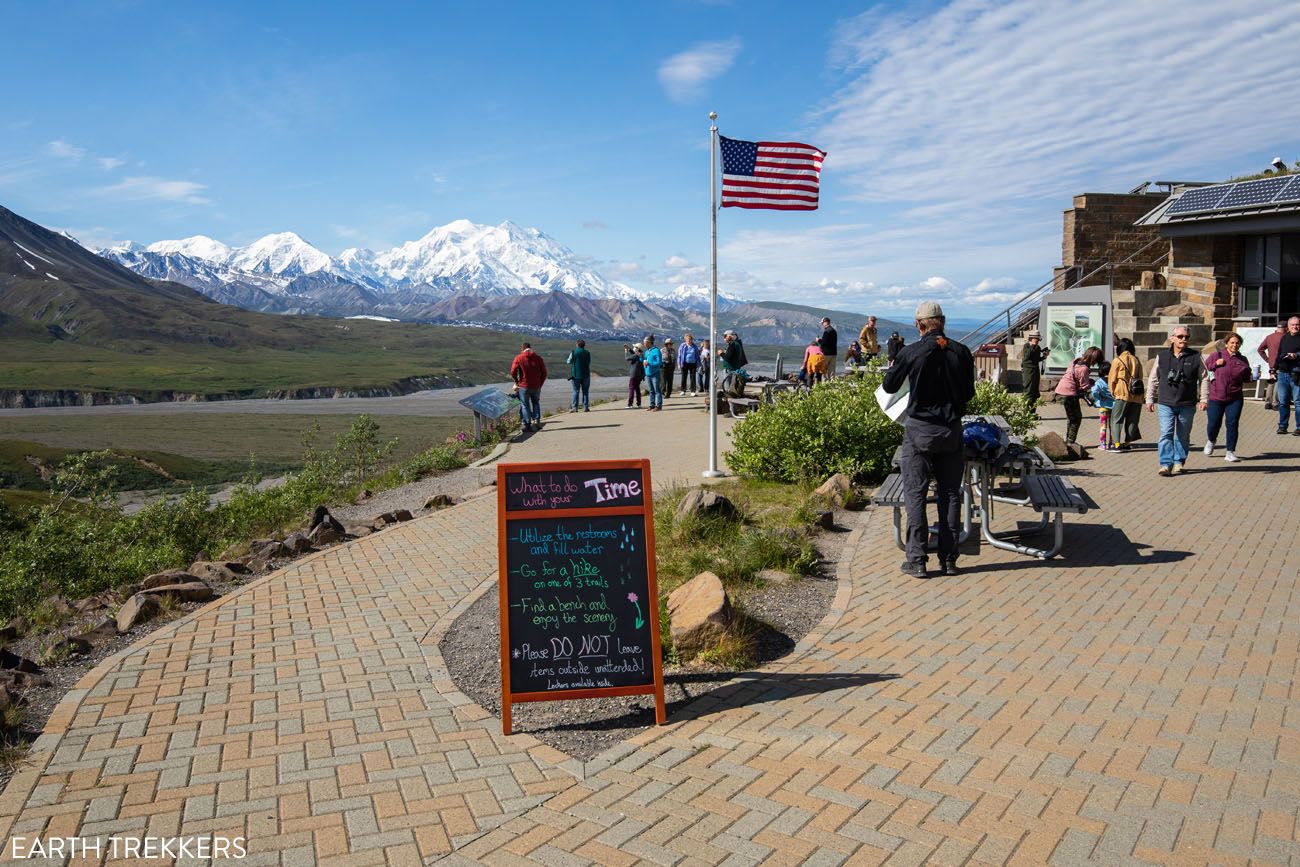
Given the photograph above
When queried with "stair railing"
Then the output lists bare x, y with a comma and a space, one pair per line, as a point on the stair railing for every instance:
1023, 312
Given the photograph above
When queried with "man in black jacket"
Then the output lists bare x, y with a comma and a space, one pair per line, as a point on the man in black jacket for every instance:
830, 344
1288, 375
940, 374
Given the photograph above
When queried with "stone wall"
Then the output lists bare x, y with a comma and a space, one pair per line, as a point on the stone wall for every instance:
1203, 269
1099, 229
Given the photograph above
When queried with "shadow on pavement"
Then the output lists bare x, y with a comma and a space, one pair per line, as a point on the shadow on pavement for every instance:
1085, 545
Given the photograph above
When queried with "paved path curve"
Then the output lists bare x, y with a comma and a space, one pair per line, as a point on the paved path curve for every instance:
1133, 702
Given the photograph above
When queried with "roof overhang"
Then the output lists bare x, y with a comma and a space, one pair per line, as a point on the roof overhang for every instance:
1248, 207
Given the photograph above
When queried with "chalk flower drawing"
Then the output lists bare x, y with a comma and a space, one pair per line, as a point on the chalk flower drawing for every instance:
640, 621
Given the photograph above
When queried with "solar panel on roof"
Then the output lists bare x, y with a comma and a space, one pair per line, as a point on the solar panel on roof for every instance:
1290, 193
1252, 193
1199, 199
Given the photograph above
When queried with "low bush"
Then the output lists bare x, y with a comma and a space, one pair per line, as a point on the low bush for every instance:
993, 399
836, 428
83, 542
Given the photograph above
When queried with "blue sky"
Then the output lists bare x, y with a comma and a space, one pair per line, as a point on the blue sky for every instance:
956, 133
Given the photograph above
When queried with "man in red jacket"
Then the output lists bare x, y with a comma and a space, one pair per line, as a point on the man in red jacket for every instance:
529, 373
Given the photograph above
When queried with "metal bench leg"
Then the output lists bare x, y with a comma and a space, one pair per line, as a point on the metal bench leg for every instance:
898, 529
1012, 546
1060, 538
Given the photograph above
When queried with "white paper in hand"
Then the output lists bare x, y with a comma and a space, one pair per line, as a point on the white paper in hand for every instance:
894, 405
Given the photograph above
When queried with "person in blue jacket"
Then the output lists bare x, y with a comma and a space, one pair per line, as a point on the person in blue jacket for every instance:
652, 359
688, 361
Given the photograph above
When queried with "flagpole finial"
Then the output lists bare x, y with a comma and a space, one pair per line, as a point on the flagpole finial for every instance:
713, 115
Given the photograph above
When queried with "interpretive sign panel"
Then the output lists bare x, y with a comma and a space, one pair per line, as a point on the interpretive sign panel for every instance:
578, 598
490, 403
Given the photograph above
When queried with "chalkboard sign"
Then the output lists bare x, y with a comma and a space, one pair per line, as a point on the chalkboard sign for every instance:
490, 402
579, 602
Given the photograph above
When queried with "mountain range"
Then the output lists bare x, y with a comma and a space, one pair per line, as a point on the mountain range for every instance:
503, 277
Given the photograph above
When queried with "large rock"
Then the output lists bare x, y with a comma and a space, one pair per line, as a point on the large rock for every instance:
325, 533
13, 662
439, 501
1053, 445
15, 628
1077, 452
103, 631
266, 549
1180, 309
698, 612
360, 530
836, 489
298, 543
21, 681
136, 610
171, 576
322, 516
701, 503
218, 570
190, 591
98, 602
65, 647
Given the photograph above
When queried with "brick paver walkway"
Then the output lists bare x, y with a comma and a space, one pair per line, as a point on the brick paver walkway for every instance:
1131, 702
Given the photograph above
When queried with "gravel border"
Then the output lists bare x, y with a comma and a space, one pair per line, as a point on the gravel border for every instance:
586, 728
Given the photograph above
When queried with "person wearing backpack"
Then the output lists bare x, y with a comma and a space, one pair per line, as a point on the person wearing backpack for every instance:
1074, 384
1125, 381
940, 374
814, 363
733, 361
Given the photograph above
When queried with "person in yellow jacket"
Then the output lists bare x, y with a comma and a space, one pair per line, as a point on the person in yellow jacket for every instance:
868, 340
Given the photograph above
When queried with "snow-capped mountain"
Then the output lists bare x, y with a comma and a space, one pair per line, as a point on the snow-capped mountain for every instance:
687, 297
458, 258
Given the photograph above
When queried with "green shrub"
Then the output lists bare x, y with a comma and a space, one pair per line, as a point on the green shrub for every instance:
993, 399
837, 428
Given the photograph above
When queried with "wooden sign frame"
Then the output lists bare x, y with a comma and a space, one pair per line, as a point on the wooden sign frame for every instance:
645, 511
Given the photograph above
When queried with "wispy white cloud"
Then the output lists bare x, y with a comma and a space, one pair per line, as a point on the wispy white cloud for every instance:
109, 163
988, 102
684, 75
159, 189
676, 262
64, 150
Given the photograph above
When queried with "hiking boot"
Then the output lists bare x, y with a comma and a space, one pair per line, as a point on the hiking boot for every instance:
1176, 470
916, 570
1164, 471
950, 567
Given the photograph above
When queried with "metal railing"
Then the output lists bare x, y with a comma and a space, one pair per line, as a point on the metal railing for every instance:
1023, 312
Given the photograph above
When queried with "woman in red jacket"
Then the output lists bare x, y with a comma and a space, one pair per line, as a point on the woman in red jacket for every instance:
1229, 371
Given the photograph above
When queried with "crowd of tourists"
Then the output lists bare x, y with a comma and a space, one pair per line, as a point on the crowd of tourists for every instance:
1182, 381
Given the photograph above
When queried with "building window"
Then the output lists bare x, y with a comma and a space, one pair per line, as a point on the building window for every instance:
1269, 289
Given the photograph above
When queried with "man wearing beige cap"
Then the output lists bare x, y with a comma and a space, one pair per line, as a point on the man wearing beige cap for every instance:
941, 376
1031, 365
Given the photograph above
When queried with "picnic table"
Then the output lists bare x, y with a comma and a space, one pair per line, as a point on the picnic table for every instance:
1031, 483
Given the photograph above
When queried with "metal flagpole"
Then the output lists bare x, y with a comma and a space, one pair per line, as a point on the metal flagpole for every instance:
712, 472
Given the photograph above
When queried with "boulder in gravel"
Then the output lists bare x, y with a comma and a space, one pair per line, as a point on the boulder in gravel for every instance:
322, 516
325, 534
190, 591
62, 607
439, 501
13, 662
1053, 445
267, 549
136, 610
15, 628
826, 519
360, 530
98, 602
105, 630
171, 576
363, 496
298, 543
836, 489
698, 613
216, 570
701, 503
20, 681
1077, 452
65, 647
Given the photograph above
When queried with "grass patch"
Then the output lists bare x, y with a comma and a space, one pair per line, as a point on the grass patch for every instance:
769, 534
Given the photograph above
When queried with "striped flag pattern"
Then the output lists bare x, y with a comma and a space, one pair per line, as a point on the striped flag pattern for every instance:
775, 175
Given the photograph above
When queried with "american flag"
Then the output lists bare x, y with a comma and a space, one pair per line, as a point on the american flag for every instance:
779, 175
